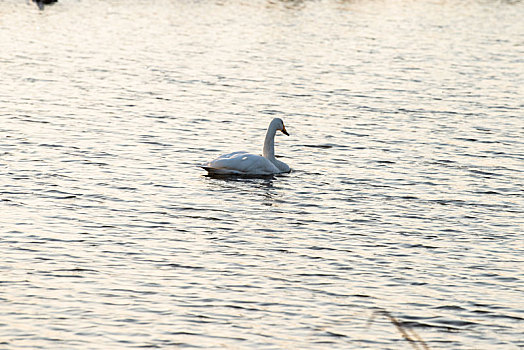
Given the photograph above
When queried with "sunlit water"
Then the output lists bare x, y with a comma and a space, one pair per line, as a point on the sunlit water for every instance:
406, 193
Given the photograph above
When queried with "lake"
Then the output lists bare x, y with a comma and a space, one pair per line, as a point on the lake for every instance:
399, 226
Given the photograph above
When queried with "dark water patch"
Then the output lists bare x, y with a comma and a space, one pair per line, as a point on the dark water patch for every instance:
352, 133
419, 245
488, 192
445, 328
384, 162
17, 193
180, 266
476, 140
362, 296
333, 334
56, 194
484, 173
319, 146
506, 317
161, 117
128, 291
155, 143
51, 145
271, 112
311, 274
450, 307
85, 162
30, 119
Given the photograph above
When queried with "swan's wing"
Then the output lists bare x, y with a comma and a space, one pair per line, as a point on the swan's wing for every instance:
238, 163
231, 155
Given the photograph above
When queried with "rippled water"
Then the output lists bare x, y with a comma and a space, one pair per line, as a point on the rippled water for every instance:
406, 193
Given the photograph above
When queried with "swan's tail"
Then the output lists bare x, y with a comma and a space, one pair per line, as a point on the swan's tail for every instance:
218, 171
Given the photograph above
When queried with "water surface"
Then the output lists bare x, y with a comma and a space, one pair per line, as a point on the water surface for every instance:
406, 192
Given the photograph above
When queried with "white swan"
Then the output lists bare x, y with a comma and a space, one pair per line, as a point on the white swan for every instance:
243, 163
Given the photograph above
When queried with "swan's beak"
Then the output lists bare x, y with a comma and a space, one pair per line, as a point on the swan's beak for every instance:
284, 131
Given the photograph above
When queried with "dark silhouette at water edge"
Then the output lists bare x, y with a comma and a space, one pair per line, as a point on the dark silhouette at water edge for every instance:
42, 3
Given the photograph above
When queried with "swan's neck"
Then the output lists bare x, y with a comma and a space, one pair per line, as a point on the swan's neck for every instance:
269, 142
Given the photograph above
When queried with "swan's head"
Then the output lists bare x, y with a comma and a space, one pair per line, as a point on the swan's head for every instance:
279, 123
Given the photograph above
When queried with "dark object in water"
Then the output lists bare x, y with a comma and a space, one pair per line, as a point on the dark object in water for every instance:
41, 3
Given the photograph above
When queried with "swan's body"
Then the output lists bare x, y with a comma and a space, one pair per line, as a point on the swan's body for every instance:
243, 163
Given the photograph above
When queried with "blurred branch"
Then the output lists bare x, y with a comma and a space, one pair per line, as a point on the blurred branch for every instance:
413, 338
